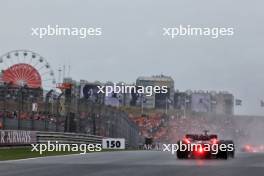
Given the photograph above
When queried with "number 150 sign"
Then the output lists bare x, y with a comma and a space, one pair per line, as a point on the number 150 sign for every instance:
113, 143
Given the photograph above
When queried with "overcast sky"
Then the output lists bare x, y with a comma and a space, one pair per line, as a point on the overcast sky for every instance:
132, 43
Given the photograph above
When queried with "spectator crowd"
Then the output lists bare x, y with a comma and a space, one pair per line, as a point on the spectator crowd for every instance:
168, 129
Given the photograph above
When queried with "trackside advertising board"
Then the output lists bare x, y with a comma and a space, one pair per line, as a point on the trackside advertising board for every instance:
114, 143
16, 137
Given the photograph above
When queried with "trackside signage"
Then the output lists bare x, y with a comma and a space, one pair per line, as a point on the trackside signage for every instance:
114, 143
15, 137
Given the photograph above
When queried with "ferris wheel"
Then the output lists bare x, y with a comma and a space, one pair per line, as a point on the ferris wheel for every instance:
24, 67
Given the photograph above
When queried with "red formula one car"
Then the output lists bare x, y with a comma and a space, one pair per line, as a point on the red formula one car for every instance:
205, 146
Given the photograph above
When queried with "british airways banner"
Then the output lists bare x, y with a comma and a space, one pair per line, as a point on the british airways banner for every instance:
17, 137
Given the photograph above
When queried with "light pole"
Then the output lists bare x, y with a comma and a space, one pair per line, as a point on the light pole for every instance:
5, 96
143, 100
46, 112
21, 106
166, 105
142, 106
185, 106
94, 123
31, 98
58, 110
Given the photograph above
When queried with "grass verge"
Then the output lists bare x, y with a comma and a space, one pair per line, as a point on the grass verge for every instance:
23, 153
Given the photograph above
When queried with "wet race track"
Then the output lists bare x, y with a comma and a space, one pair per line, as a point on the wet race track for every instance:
136, 163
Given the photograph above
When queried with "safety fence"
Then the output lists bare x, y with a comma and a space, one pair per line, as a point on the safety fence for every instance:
67, 138
39, 125
89, 119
